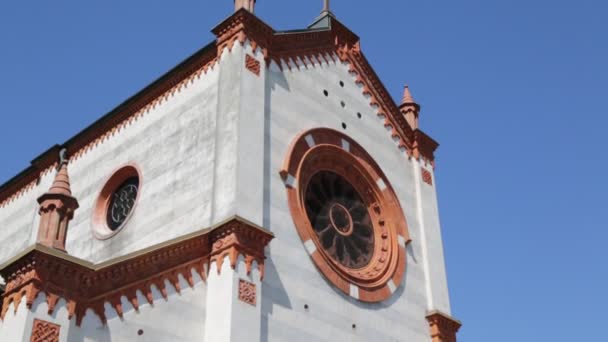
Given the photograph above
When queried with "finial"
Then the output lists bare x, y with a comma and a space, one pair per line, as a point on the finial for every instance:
409, 108
61, 183
63, 157
407, 96
325, 7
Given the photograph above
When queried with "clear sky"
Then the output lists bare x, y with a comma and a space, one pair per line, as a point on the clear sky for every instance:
514, 90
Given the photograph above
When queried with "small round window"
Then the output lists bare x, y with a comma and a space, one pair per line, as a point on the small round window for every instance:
122, 203
116, 202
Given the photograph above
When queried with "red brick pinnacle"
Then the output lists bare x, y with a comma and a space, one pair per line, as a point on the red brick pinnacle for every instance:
407, 96
61, 184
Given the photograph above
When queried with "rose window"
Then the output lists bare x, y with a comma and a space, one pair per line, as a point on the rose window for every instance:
346, 213
340, 219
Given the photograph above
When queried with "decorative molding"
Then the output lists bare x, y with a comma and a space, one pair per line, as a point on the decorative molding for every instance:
247, 292
43, 331
159, 92
238, 238
426, 176
252, 64
242, 26
86, 287
57, 207
443, 327
292, 49
8, 196
424, 147
99, 223
382, 276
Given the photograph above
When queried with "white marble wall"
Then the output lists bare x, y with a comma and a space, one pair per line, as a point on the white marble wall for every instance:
297, 103
17, 223
173, 145
215, 150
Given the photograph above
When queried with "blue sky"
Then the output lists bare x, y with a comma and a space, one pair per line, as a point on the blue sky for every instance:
513, 90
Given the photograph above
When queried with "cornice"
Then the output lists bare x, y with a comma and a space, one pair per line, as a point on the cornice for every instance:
380, 98
424, 147
240, 26
443, 327
291, 47
125, 114
85, 286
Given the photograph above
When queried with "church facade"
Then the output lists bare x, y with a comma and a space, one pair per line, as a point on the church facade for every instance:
268, 188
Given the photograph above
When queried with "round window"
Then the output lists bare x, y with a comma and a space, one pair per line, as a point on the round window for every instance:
116, 202
340, 219
122, 203
347, 214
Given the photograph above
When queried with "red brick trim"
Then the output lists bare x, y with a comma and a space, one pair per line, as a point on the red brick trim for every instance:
238, 238
427, 177
43, 331
322, 46
124, 115
252, 65
443, 327
377, 281
85, 287
247, 292
56, 210
99, 223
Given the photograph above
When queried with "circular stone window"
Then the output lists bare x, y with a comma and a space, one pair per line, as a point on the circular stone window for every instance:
346, 214
116, 202
340, 219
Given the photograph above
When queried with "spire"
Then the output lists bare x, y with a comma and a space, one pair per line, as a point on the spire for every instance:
249, 5
407, 96
61, 184
326, 6
409, 108
57, 207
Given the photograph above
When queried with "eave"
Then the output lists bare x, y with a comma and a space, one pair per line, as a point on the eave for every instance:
108, 123
320, 44
84, 285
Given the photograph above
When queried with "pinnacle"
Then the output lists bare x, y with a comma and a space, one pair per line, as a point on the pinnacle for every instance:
61, 184
407, 96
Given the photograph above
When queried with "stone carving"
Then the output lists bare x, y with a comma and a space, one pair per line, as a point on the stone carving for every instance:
376, 274
443, 327
57, 207
296, 51
43, 331
426, 176
238, 238
87, 288
247, 292
252, 65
